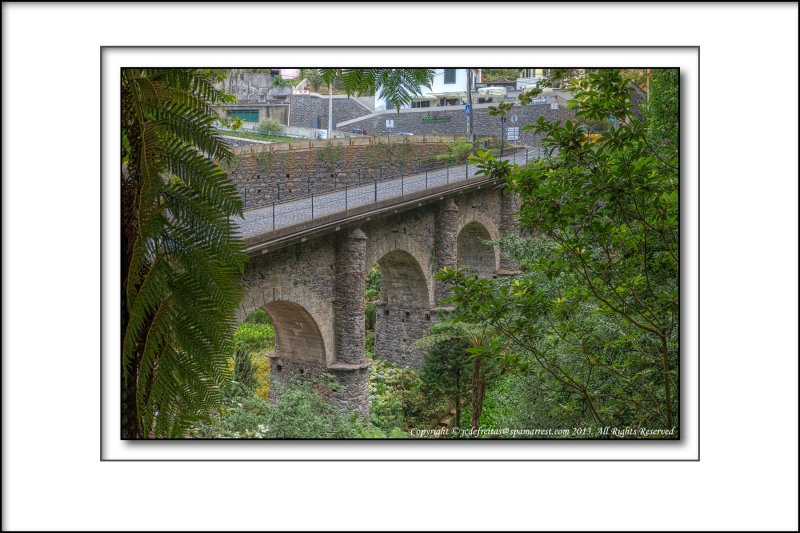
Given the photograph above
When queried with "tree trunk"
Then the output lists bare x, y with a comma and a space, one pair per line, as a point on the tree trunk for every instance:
457, 423
478, 389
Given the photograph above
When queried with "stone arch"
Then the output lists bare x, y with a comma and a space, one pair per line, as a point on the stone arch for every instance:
303, 322
472, 253
403, 314
297, 335
404, 280
411, 255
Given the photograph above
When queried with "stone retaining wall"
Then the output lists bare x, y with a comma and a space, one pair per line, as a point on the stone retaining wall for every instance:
453, 121
265, 173
306, 107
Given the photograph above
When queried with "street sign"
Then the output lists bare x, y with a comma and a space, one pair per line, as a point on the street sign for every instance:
467, 109
320, 134
513, 119
554, 106
513, 134
390, 124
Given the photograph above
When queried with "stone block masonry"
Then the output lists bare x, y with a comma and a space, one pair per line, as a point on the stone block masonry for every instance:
304, 108
453, 121
313, 289
264, 173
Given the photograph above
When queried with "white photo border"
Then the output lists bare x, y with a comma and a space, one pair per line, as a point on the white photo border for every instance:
686, 449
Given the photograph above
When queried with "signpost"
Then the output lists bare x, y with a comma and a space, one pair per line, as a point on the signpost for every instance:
513, 119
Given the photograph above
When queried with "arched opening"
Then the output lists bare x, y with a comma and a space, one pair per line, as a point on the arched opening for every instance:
255, 339
297, 336
299, 353
473, 254
402, 313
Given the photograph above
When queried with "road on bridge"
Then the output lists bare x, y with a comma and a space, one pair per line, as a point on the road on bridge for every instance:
274, 216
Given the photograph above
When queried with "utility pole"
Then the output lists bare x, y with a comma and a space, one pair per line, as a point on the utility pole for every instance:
471, 110
330, 110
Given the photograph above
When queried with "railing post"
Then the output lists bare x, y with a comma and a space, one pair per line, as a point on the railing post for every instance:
245, 197
466, 171
448, 175
426, 179
345, 197
279, 191
308, 182
402, 190
376, 190
312, 205
273, 215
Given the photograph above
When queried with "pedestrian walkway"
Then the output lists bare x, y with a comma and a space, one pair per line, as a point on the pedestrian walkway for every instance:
279, 215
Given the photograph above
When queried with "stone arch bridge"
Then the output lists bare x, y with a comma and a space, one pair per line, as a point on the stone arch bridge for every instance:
310, 278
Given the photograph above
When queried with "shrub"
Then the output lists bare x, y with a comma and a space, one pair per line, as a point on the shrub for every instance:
373, 282
371, 294
300, 413
259, 316
330, 156
369, 311
261, 372
269, 126
243, 372
255, 337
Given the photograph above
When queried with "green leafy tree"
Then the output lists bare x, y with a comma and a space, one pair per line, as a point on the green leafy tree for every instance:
278, 81
495, 74
480, 347
447, 370
181, 258
662, 111
313, 77
606, 334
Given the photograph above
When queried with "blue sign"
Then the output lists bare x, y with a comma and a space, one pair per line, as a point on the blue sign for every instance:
467, 109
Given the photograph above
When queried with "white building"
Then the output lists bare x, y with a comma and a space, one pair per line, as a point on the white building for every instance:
449, 88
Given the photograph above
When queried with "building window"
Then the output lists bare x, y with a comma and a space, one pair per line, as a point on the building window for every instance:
449, 75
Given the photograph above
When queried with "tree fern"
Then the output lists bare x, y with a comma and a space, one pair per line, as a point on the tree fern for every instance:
396, 85
182, 260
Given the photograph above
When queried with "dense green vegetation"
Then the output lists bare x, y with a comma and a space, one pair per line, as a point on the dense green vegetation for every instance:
181, 256
592, 324
583, 343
